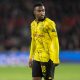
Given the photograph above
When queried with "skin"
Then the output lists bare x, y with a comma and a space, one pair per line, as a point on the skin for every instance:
39, 13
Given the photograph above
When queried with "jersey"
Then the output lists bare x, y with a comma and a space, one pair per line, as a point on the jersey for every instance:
44, 43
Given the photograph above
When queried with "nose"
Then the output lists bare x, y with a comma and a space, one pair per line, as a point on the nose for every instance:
42, 13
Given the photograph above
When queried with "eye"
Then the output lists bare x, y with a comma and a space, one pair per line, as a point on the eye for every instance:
43, 10
39, 10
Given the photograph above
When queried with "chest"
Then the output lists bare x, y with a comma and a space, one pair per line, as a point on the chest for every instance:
39, 28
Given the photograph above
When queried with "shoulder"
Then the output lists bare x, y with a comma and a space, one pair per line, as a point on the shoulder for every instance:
50, 21
32, 23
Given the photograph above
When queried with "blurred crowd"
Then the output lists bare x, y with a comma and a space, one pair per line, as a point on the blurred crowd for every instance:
16, 15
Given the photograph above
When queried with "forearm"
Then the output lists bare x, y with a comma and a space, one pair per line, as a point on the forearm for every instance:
54, 50
32, 49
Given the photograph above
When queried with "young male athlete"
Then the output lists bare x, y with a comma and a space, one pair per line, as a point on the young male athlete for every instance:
44, 53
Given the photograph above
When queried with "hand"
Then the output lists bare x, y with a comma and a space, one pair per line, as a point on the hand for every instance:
56, 65
30, 63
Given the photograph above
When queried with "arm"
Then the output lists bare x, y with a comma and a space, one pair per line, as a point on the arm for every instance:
31, 49
54, 47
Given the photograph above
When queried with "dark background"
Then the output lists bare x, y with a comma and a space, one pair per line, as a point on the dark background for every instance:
16, 16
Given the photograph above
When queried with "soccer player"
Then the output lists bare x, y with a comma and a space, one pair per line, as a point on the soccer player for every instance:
44, 52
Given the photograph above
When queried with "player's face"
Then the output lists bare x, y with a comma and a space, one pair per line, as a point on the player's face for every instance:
39, 12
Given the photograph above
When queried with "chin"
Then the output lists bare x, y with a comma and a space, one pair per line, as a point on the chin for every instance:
41, 18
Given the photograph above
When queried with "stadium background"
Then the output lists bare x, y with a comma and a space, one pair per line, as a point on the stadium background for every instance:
15, 18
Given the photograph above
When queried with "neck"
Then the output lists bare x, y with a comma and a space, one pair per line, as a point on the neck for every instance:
39, 19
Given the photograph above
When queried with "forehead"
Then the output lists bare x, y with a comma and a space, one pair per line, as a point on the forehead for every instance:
39, 8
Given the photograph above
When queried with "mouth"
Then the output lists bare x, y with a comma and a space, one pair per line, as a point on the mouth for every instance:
42, 16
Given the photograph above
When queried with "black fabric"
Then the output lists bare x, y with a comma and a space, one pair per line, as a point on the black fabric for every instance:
36, 69
43, 69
